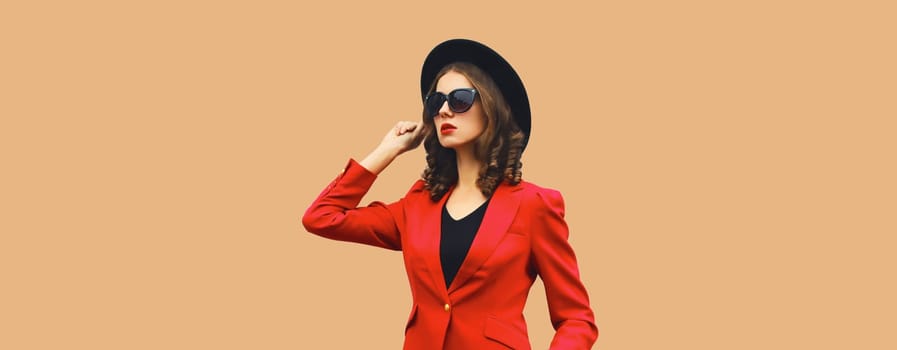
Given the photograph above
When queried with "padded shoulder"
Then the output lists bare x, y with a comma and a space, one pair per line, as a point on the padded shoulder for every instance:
418, 186
418, 191
543, 196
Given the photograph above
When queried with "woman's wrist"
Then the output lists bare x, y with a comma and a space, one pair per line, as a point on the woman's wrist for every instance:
379, 159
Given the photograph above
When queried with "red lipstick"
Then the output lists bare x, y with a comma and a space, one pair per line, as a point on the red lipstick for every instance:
447, 128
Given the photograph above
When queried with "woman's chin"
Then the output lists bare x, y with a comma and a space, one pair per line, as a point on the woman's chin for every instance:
450, 144
453, 142
447, 143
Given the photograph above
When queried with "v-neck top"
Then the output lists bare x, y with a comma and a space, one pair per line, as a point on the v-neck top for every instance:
456, 238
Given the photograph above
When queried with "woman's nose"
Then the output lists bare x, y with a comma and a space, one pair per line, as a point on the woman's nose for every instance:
445, 111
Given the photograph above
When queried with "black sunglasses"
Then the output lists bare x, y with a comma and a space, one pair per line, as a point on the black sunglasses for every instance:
459, 101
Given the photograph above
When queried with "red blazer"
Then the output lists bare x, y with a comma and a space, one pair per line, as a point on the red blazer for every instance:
523, 235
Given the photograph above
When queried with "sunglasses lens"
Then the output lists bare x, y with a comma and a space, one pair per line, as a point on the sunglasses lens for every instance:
434, 103
461, 100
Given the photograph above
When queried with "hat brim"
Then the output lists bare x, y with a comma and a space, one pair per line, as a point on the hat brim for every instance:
507, 80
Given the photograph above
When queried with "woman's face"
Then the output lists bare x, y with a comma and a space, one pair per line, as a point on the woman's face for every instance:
458, 130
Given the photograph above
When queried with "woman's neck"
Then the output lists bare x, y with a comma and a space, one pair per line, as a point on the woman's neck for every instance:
468, 169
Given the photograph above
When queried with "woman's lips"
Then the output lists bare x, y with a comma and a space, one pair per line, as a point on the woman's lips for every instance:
447, 128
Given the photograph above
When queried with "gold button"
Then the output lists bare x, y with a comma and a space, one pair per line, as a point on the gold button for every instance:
447, 307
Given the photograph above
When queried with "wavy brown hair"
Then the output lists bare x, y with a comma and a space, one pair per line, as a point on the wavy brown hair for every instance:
498, 148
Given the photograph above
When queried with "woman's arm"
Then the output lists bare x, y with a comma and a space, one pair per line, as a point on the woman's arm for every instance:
404, 137
568, 301
335, 213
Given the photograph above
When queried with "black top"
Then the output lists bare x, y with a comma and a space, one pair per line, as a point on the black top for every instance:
456, 238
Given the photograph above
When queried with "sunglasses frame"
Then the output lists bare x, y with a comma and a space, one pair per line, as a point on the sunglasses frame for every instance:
447, 97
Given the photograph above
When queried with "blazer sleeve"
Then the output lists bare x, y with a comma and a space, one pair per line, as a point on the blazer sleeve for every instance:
335, 213
568, 301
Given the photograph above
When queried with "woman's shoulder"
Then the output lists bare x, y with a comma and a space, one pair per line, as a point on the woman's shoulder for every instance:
534, 188
419, 186
544, 194
542, 199
418, 191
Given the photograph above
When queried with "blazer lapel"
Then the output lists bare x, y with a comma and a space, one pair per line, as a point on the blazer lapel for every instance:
498, 217
429, 226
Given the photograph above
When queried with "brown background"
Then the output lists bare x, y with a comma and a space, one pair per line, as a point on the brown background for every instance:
728, 169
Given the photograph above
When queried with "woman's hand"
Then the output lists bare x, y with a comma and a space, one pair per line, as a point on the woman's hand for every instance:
401, 138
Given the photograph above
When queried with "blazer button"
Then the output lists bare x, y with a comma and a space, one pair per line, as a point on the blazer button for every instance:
447, 307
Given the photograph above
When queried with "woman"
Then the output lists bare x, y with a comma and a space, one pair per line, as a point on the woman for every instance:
473, 235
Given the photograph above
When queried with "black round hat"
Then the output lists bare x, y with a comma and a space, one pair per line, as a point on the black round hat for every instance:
464, 50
